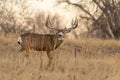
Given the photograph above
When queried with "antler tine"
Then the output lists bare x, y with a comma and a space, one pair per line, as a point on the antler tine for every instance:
74, 24
49, 22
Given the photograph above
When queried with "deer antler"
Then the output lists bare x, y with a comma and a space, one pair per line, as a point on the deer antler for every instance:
49, 24
74, 25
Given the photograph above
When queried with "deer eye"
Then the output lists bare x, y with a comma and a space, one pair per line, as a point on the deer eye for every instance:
59, 34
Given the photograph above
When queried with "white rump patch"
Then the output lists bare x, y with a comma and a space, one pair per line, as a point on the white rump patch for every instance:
20, 40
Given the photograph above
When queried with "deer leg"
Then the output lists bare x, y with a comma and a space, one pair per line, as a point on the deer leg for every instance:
51, 60
27, 56
41, 65
27, 52
49, 57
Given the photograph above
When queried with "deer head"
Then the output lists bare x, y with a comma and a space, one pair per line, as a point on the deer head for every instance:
60, 33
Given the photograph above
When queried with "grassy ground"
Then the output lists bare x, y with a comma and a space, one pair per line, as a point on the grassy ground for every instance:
95, 60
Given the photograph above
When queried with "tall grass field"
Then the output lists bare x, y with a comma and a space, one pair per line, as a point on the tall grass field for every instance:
78, 59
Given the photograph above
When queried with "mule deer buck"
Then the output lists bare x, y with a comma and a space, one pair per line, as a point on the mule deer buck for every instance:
45, 42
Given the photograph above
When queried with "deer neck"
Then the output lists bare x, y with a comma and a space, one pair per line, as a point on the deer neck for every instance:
57, 43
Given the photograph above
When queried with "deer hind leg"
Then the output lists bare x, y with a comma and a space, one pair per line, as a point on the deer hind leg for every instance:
27, 52
41, 60
27, 56
51, 60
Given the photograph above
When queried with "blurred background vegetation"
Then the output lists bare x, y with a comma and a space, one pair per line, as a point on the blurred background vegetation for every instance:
97, 18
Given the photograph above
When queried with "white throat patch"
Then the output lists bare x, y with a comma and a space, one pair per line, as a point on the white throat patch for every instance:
19, 39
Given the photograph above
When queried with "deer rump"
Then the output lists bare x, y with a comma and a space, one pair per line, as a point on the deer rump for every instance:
39, 42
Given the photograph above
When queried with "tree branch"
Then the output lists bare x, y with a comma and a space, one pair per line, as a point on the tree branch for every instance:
81, 7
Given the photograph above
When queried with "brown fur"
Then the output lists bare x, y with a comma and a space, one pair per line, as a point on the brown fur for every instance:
40, 42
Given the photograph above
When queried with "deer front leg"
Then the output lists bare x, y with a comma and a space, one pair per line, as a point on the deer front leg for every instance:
51, 60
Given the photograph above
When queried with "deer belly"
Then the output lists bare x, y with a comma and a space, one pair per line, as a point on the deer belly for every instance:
43, 48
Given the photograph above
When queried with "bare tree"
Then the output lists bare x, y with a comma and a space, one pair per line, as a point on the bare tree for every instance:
109, 18
8, 18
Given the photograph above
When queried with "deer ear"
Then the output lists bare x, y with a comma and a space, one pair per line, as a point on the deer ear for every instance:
67, 30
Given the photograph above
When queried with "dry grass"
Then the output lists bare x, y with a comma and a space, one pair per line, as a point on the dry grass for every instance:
95, 60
